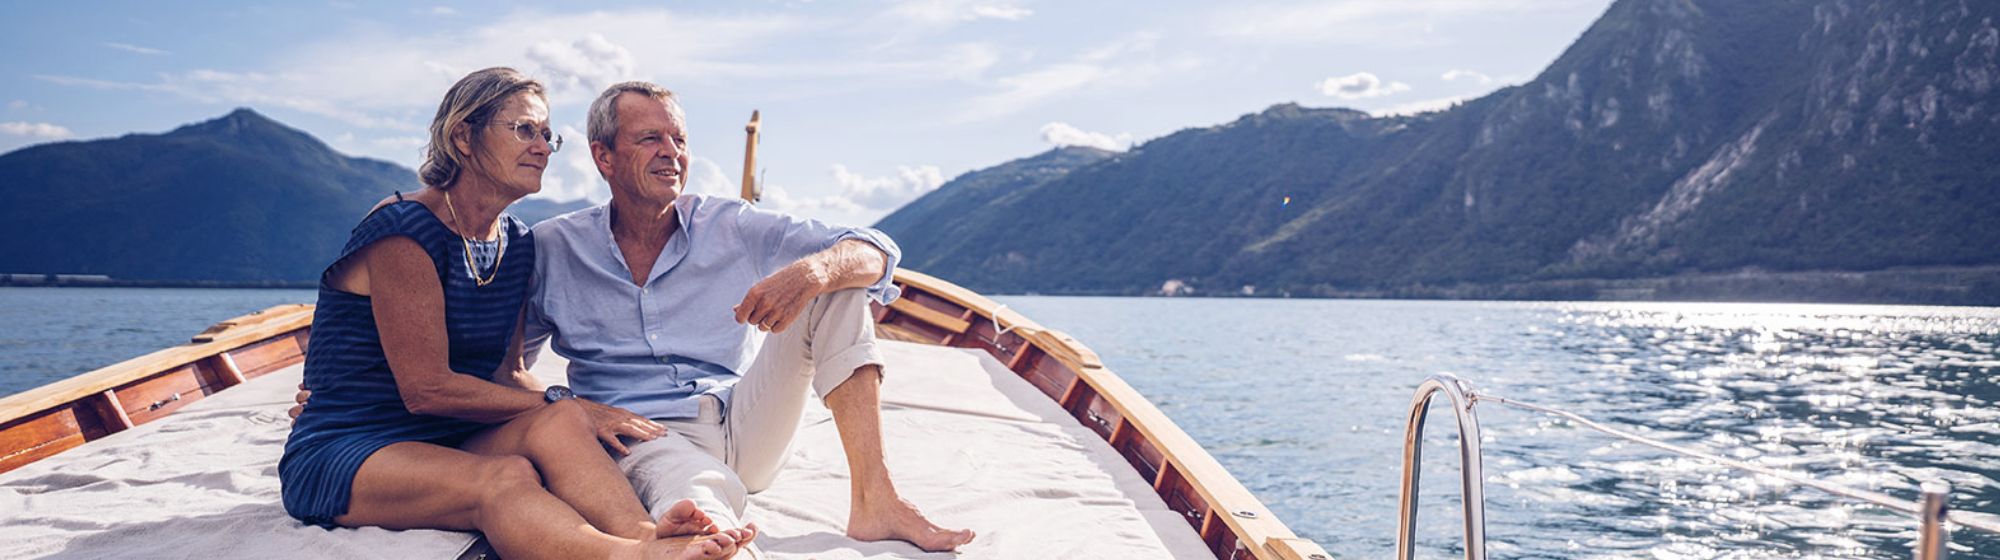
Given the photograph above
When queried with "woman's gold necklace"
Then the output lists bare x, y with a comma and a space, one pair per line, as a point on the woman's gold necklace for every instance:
469, 265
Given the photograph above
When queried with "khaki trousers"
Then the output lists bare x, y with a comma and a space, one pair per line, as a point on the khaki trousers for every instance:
717, 459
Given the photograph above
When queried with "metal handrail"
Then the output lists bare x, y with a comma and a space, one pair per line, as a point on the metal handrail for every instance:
1931, 510
1471, 473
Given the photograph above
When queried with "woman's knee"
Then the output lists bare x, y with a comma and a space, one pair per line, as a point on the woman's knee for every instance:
503, 477
559, 421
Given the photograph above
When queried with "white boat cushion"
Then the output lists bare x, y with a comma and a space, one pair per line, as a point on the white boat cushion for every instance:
969, 442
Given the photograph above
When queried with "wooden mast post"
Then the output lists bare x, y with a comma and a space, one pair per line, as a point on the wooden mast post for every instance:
751, 190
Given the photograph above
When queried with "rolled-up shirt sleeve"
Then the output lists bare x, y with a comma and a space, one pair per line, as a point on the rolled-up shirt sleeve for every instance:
884, 289
785, 238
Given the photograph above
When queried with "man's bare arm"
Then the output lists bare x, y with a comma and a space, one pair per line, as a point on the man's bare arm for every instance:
780, 298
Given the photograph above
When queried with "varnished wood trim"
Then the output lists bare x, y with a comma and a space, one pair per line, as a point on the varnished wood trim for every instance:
30, 439
1212, 484
919, 312
113, 411
965, 317
222, 337
225, 364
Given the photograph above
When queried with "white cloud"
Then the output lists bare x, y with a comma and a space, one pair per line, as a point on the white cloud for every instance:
1455, 74
136, 49
267, 90
1124, 63
1062, 134
1366, 22
17, 104
949, 12
583, 67
1360, 85
571, 173
1009, 13
1028, 88
779, 198
861, 198
885, 193
446, 11
1135, 44
35, 130
386, 80
705, 176
1425, 106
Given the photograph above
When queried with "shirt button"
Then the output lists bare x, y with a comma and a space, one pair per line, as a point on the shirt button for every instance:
645, 290
653, 336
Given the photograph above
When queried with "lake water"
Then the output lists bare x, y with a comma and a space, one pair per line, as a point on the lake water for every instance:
1304, 401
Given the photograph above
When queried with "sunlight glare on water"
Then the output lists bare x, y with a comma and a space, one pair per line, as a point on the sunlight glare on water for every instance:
1304, 401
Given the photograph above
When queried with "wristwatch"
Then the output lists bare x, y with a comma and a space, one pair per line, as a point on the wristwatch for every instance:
557, 393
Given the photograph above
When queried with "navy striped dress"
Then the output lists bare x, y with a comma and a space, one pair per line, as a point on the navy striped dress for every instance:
355, 408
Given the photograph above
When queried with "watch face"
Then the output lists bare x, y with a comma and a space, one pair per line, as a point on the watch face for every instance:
556, 393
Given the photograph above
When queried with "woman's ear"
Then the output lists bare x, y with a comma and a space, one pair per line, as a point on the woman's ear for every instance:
461, 138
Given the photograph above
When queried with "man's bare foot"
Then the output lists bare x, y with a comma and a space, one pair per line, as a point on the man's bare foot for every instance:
897, 519
684, 518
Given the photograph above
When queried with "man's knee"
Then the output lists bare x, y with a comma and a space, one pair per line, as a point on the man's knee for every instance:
850, 298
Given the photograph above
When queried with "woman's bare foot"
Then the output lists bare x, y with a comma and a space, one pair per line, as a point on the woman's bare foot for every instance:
684, 518
897, 519
721, 545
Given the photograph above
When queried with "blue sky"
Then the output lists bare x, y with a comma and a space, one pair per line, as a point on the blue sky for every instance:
866, 104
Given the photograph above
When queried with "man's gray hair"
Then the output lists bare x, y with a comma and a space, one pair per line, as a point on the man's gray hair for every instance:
603, 127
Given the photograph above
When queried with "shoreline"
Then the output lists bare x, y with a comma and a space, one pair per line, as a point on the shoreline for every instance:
1962, 286
115, 283
1965, 286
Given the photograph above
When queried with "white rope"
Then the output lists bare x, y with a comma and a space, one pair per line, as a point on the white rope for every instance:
1975, 520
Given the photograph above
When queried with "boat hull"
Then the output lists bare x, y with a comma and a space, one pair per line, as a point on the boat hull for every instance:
1230, 520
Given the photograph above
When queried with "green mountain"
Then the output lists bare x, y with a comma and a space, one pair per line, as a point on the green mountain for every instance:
1682, 139
240, 198
950, 214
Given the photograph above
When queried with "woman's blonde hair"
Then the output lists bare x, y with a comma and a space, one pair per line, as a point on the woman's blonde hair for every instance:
472, 102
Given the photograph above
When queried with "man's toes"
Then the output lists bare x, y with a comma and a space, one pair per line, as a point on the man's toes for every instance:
685, 518
684, 511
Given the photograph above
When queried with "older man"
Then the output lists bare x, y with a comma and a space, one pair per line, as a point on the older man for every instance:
714, 319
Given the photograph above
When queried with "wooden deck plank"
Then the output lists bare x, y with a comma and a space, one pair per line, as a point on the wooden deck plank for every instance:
917, 310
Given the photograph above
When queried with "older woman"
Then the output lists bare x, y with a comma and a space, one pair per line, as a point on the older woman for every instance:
420, 414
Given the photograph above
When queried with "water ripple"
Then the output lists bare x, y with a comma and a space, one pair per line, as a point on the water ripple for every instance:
1873, 397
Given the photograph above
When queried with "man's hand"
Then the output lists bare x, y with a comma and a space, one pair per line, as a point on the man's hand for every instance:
301, 398
778, 300
609, 422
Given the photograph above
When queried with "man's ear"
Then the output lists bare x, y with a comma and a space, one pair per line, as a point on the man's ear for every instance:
601, 154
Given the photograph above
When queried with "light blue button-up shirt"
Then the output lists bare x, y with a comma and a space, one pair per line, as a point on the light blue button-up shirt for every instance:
656, 348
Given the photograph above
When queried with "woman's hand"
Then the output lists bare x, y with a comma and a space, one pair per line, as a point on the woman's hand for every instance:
301, 398
609, 422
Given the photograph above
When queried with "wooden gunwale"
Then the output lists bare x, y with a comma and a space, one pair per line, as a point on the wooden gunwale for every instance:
59, 416
1229, 518
52, 418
